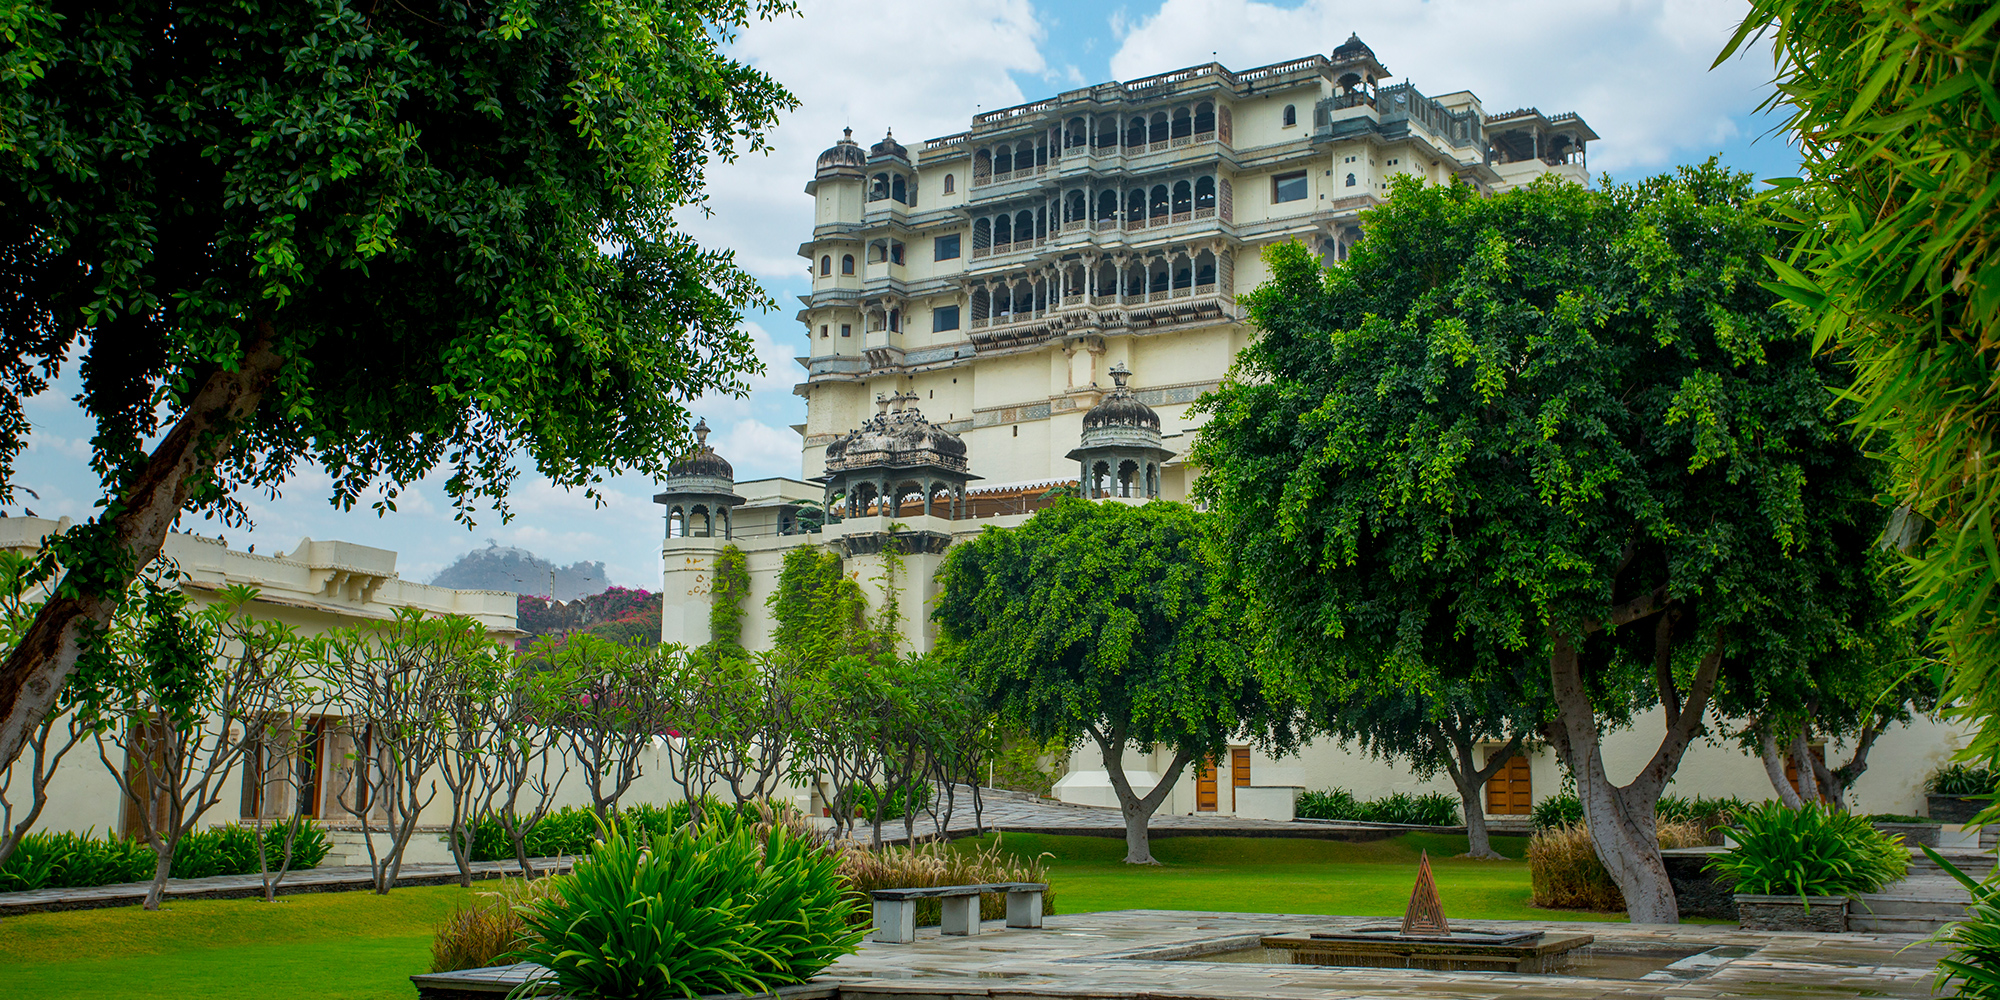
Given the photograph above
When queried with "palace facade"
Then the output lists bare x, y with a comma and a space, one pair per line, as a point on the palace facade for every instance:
1035, 302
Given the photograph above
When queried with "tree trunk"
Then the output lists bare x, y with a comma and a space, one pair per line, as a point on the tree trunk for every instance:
1135, 809
33, 675
1471, 783
1802, 763
163, 869
1622, 820
1774, 768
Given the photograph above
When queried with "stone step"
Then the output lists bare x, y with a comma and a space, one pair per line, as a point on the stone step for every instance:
1868, 923
1906, 906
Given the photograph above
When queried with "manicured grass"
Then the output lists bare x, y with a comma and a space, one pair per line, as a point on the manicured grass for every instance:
1282, 875
360, 946
339, 946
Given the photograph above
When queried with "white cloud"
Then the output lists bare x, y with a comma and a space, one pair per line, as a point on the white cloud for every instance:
1637, 70
916, 66
757, 449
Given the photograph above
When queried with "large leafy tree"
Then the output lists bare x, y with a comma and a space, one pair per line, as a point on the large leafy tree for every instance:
1560, 422
1893, 108
1108, 620
1433, 721
375, 237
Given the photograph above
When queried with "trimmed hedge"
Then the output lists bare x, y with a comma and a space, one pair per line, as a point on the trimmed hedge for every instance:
1428, 809
80, 860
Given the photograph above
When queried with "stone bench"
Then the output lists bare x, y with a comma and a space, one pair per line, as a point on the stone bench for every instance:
896, 909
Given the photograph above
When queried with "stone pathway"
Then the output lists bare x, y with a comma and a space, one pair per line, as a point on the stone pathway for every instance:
333, 878
1127, 955
1019, 813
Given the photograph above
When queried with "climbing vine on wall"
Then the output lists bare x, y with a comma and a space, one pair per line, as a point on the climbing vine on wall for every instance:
729, 586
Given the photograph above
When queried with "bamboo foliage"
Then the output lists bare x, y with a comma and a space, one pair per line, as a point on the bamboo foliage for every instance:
1895, 110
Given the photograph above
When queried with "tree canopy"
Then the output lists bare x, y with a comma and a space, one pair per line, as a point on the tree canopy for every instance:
1892, 108
1108, 620
374, 238
1556, 424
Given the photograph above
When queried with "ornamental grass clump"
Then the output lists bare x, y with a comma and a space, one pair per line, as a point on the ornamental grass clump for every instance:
708, 908
1566, 873
1807, 852
929, 865
488, 929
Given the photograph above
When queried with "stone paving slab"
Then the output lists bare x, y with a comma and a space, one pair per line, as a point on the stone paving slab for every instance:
1119, 955
333, 878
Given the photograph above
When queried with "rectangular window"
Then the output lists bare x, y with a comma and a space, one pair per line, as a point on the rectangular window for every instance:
1288, 187
895, 253
847, 329
944, 318
822, 331
947, 247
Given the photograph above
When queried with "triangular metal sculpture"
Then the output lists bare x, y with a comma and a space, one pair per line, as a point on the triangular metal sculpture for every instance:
1425, 917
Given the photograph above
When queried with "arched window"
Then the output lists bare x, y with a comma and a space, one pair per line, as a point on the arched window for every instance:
1204, 268
982, 165
1291, 115
1152, 481
1350, 180
898, 191
896, 320
1160, 277
982, 234
1107, 206
1100, 480
1183, 274
1024, 226
1128, 474
879, 189
1075, 134
698, 523
825, 265
1204, 118
1003, 230
1135, 132
1158, 131
1073, 211
950, 183
847, 263
676, 523
1183, 198
1135, 207
1003, 159
1183, 124
1204, 193
1159, 207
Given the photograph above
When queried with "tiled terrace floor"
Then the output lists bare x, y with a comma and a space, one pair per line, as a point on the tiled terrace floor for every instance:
1121, 955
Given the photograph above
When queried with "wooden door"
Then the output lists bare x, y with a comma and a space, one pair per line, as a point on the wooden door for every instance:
1792, 768
1239, 772
1508, 792
1204, 788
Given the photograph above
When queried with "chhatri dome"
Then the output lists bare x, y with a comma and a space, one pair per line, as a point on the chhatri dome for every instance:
700, 492
895, 453
843, 158
1121, 450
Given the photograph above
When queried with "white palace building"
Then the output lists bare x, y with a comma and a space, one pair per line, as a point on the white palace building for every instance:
1035, 302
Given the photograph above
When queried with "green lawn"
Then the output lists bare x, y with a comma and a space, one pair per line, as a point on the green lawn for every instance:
1274, 875
359, 946
339, 946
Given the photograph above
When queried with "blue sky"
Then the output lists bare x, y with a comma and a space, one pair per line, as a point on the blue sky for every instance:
1637, 71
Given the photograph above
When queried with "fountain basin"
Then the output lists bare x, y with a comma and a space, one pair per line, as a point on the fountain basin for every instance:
1469, 950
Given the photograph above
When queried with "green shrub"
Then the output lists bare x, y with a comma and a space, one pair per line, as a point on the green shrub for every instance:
907, 801
1960, 779
1894, 818
573, 830
1428, 809
66, 860
1974, 940
232, 850
1812, 851
713, 908
1556, 812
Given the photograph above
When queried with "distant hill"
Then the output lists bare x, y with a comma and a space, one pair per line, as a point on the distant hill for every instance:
518, 571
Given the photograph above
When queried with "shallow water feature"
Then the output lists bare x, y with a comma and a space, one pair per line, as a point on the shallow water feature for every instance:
1589, 962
